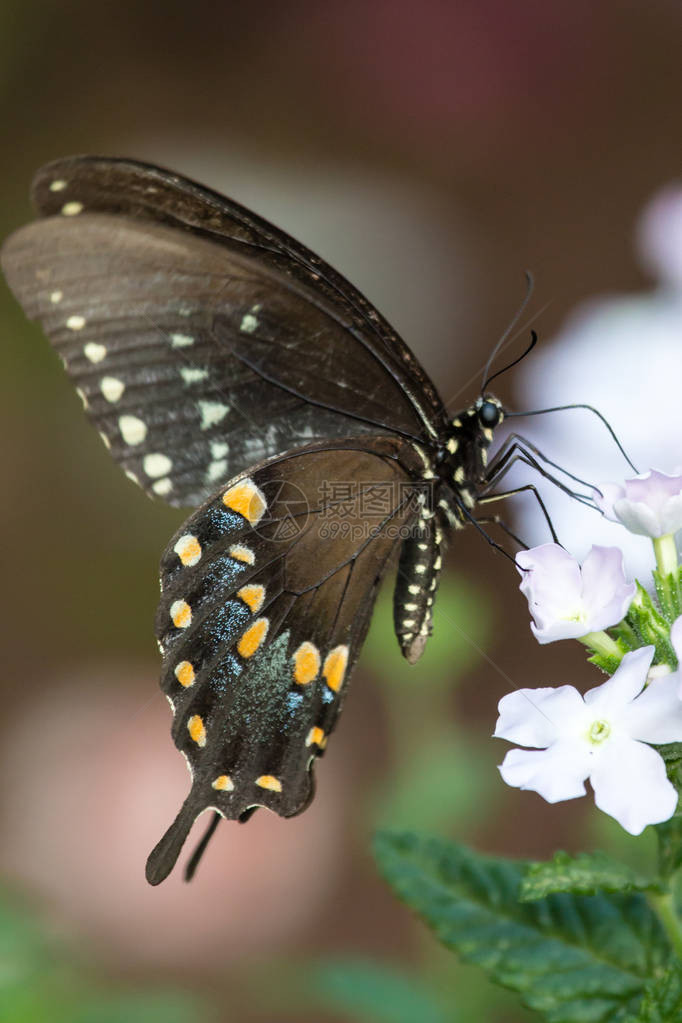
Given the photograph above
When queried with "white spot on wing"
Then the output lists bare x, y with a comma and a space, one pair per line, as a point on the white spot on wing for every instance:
133, 430
249, 323
217, 469
58, 185
157, 464
71, 209
162, 487
112, 388
75, 322
181, 340
94, 352
192, 374
218, 448
56, 296
212, 412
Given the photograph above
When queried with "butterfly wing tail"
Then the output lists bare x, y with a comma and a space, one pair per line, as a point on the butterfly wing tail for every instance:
164, 855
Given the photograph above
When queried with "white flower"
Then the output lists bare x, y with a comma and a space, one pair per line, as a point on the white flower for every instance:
676, 641
650, 504
660, 236
567, 601
602, 736
618, 353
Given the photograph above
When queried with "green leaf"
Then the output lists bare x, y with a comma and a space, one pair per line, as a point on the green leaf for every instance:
608, 663
371, 993
650, 626
662, 1002
575, 958
670, 845
585, 874
668, 593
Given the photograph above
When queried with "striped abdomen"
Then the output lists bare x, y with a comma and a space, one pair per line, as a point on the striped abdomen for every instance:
415, 589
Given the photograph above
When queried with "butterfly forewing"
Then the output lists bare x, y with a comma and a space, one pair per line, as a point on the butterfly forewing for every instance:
262, 618
194, 360
146, 192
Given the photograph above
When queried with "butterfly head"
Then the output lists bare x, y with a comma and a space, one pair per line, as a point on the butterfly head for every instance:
464, 456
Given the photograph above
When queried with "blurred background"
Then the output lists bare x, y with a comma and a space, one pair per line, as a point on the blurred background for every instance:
431, 152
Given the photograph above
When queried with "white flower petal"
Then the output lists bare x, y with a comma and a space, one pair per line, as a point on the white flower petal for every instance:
630, 784
605, 498
660, 235
671, 515
556, 773
606, 594
623, 686
637, 517
567, 601
551, 583
656, 715
538, 717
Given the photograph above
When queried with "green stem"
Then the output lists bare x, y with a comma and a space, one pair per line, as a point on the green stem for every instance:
665, 907
665, 550
601, 643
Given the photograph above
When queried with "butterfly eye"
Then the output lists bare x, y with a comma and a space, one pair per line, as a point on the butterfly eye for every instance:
489, 414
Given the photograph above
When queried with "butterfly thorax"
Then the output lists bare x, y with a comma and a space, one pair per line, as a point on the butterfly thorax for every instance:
455, 474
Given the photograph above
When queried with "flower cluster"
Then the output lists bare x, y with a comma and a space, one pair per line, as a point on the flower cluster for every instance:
606, 735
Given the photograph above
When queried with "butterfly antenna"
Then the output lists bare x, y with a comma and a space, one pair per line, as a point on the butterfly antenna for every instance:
530, 283
590, 408
531, 346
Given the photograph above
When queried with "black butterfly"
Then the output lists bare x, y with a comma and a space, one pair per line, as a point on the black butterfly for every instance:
226, 366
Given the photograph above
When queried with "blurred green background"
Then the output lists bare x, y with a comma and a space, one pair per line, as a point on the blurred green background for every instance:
431, 152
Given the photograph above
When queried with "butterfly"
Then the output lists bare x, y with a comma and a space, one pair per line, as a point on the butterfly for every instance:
229, 369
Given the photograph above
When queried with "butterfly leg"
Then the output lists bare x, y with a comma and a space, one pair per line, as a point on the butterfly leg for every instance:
516, 443
516, 453
519, 490
495, 520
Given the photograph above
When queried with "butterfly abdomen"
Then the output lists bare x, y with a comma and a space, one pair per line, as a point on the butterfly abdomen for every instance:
418, 574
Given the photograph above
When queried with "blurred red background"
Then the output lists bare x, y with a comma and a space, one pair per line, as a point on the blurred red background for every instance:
431, 152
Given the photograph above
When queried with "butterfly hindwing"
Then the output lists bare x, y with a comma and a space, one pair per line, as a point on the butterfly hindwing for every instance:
267, 593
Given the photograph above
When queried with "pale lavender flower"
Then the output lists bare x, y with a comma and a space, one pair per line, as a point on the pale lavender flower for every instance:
568, 601
650, 504
602, 737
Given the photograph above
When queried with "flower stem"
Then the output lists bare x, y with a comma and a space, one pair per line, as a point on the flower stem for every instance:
665, 550
664, 905
601, 643
667, 580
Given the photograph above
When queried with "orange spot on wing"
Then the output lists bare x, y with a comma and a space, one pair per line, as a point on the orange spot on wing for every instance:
188, 549
196, 729
223, 784
246, 499
181, 614
184, 673
335, 667
253, 637
268, 781
317, 737
306, 663
241, 553
253, 595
